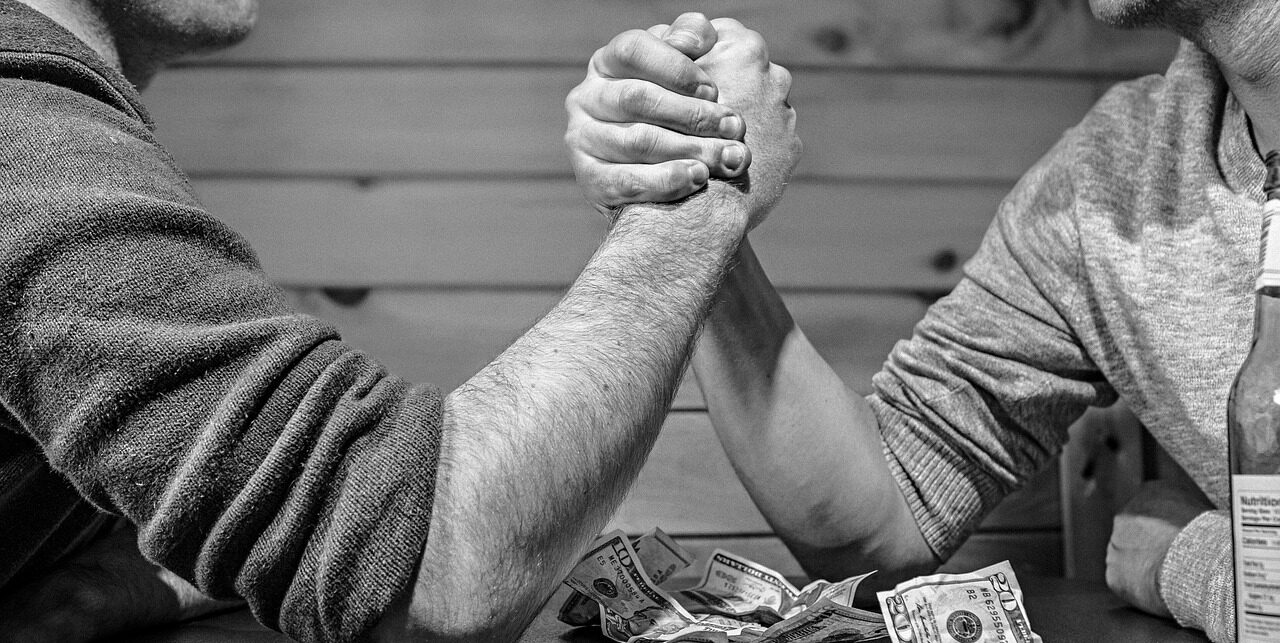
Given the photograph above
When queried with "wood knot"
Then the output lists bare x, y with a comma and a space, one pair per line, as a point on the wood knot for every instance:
999, 20
346, 297
944, 260
831, 40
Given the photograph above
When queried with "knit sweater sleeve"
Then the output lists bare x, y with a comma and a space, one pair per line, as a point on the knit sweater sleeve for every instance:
144, 351
1196, 579
982, 394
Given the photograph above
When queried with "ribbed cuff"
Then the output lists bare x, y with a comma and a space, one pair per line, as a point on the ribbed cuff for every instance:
948, 493
1195, 578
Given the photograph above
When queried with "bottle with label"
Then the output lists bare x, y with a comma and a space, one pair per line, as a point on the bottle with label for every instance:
1253, 436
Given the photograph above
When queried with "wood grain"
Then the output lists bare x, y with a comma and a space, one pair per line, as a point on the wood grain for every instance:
958, 34
446, 336
503, 122
856, 235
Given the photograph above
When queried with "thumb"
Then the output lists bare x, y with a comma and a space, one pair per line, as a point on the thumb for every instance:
691, 34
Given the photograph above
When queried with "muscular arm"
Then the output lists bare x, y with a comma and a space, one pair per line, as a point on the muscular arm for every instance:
963, 413
806, 447
541, 444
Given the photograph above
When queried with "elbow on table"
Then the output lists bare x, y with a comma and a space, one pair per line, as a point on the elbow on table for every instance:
839, 562
894, 552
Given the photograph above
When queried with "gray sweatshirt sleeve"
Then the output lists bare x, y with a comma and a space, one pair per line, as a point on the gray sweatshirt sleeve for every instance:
1196, 582
982, 394
159, 371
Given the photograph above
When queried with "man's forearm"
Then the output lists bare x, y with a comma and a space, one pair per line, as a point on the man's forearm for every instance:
807, 448
540, 446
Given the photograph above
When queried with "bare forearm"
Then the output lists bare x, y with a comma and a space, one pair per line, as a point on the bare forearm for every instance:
807, 448
541, 444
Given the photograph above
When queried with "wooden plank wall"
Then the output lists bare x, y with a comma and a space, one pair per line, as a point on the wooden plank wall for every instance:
398, 165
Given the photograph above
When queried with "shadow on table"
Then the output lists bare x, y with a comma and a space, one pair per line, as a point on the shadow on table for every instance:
237, 626
1061, 611
1067, 611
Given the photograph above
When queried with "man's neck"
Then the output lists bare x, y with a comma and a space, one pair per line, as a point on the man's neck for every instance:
1245, 41
82, 20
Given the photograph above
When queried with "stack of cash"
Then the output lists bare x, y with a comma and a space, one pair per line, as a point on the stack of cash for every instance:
623, 585
735, 601
985, 605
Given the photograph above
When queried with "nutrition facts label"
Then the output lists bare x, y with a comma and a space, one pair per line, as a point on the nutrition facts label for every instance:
1255, 514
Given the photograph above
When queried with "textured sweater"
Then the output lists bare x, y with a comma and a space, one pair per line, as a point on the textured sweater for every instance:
1122, 264
148, 369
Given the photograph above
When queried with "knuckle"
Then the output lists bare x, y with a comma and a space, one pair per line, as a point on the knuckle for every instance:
664, 187
784, 77
641, 141
597, 56
627, 188
700, 120
686, 79
579, 136
628, 46
599, 63
603, 188
573, 138
574, 97
727, 24
756, 46
632, 98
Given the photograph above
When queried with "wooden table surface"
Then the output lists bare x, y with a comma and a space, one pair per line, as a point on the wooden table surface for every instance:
1060, 611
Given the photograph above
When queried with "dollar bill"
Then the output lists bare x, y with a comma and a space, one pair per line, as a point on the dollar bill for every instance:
579, 610
826, 621
985, 605
738, 631
839, 592
739, 588
612, 575
739, 601
659, 555
735, 587
707, 629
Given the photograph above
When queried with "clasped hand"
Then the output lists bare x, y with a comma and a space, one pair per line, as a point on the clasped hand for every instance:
663, 110
1140, 539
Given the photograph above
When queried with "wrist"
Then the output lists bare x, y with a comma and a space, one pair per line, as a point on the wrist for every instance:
1195, 580
717, 213
660, 255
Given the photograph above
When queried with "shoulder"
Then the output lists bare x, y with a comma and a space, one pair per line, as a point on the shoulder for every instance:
1142, 127
74, 164
1133, 140
57, 138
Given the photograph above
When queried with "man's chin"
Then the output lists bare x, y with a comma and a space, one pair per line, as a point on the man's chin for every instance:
226, 25
226, 35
